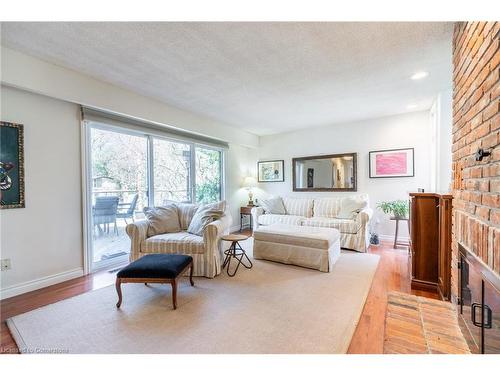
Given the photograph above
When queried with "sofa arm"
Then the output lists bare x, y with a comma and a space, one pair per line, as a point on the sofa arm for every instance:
256, 212
214, 231
364, 216
137, 232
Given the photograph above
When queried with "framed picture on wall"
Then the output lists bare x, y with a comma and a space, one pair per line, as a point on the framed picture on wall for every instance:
392, 163
11, 165
271, 171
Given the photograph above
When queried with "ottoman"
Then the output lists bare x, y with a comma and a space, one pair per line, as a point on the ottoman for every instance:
311, 247
155, 268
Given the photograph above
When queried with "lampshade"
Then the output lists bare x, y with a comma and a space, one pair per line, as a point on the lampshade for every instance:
249, 182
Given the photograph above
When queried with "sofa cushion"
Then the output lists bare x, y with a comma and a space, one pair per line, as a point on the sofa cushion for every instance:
186, 212
174, 243
162, 220
318, 238
342, 225
350, 206
205, 215
327, 207
273, 206
298, 206
269, 219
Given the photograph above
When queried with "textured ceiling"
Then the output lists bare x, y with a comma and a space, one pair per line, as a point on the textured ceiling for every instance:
263, 77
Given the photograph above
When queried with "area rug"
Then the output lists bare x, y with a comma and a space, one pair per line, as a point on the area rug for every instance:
419, 325
271, 308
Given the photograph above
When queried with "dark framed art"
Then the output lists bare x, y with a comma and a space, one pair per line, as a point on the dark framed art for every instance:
335, 172
392, 163
271, 171
11, 165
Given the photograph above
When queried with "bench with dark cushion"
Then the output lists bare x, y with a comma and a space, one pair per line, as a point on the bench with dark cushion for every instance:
155, 268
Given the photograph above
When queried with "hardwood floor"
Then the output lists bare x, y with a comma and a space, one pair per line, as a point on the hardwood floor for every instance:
392, 275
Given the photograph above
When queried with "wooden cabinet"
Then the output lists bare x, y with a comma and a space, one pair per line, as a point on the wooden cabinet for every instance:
430, 228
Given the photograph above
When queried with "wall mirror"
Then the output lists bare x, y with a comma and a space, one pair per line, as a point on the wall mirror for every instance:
325, 173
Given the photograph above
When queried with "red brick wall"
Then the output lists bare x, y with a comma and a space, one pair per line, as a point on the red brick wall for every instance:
476, 124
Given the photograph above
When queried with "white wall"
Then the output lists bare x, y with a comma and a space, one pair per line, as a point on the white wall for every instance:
444, 140
44, 240
401, 131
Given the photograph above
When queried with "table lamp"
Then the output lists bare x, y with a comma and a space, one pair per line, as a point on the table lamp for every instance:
248, 183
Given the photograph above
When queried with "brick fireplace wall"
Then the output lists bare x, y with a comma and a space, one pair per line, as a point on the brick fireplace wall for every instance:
476, 124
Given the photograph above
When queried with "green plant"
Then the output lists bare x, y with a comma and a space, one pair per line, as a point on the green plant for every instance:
398, 208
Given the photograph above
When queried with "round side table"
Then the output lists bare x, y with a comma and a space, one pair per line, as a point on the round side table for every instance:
235, 251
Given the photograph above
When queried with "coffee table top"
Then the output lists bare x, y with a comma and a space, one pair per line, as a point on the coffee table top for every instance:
235, 237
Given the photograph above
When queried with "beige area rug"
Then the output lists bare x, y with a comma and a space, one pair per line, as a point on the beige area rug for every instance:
271, 308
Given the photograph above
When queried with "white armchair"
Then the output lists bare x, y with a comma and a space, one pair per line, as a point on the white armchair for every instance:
206, 251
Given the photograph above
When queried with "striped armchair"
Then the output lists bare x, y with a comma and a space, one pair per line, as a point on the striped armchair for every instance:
206, 251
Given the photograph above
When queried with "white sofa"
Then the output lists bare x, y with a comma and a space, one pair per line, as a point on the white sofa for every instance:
322, 212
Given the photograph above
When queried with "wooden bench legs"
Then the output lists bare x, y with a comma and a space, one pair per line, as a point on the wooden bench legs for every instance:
172, 282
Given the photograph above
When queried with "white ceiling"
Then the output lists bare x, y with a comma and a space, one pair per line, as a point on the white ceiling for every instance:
263, 77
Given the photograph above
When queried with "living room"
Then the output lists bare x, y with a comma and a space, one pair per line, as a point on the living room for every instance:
250, 187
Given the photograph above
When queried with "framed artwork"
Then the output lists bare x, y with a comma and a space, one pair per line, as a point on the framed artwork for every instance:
271, 171
392, 163
11, 165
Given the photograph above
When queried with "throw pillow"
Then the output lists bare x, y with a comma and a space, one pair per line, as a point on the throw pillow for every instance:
205, 215
186, 212
273, 206
162, 220
350, 206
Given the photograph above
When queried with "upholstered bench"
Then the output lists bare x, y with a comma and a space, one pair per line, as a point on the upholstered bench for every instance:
155, 268
312, 247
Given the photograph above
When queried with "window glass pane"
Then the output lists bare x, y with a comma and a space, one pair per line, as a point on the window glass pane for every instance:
208, 175
171, 164
119, 190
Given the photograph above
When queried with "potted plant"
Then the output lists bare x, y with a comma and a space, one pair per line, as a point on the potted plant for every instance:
398, 208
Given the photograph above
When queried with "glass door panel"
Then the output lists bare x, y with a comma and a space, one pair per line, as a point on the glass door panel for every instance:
208, 174
118, 191
171, 171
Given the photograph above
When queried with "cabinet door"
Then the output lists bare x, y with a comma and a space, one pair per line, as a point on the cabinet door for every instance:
491, 319
425, 232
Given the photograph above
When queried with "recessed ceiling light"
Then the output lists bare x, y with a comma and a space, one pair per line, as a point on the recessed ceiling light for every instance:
419, 75
411, 106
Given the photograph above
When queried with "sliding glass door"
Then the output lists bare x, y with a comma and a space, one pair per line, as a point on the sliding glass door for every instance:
128, 170
119, 191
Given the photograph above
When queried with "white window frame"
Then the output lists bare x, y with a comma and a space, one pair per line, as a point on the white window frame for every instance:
85, 133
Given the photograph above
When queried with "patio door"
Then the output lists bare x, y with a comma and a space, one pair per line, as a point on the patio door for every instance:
128, 169
117, 185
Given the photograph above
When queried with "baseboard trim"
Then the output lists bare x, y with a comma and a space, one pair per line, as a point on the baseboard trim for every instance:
42, 282
387, 237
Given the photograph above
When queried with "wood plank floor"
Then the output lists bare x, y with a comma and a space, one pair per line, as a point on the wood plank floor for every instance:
392, 275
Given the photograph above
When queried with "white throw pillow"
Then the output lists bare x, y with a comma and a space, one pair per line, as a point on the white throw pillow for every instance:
186, 212
351, 206
205, 215
273, 206
162, 220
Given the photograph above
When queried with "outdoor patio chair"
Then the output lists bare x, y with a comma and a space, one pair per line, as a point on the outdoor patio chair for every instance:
104, 213
126, 210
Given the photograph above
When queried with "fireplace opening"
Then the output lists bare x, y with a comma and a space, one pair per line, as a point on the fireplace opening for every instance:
478, 303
